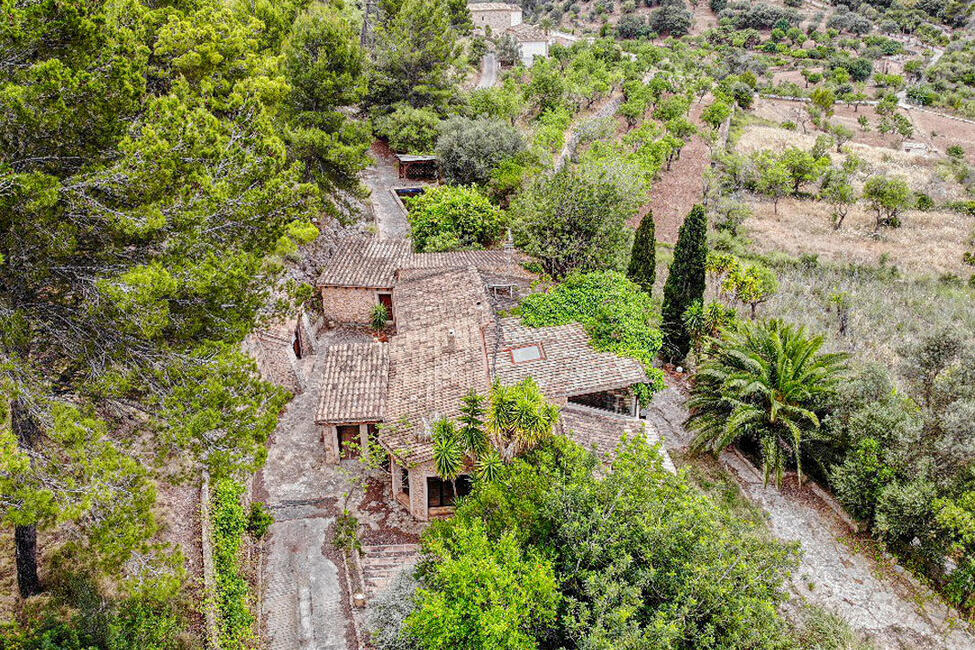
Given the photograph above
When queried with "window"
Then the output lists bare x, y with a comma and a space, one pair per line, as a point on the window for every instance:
440, 493
526, 353
404, 480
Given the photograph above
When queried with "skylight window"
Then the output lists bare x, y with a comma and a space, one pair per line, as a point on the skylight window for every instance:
526, 353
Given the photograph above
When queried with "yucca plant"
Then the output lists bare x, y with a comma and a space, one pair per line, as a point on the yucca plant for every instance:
766, 381
519, 417
448, 455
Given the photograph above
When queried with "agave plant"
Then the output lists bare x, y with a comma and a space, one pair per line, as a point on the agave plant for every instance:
766, 381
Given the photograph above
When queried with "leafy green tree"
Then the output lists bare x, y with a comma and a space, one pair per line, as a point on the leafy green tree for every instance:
410, 130
479, 592
715, 114
145, 205
823, 98
715, 582
575, 220
887, 197
505, 102
685, 283
325, 67
454, 218
415, 57
839, 193
643, 257
470, 150
774, 181
767, 382
753, 285
508, 50
803, 167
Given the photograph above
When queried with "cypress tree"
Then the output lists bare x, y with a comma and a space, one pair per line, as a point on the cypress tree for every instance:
685, 284
643, 257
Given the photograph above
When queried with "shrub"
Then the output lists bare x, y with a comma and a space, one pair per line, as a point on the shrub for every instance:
923, 202
233, 593
259, 519
470, 150
616, 313
454, 218
379, 317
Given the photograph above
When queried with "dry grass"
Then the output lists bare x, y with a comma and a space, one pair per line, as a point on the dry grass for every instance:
8, 576
920, 171
886, 313
928, 242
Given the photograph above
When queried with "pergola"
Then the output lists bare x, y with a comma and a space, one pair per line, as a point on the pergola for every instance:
414, 166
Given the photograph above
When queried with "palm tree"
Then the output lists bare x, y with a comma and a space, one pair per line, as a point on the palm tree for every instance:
765, 381
448, 455
519, 417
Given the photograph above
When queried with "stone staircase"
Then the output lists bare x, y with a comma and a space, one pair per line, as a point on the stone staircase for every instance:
381, 563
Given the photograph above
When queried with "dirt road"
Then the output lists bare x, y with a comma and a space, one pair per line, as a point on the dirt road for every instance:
839, 572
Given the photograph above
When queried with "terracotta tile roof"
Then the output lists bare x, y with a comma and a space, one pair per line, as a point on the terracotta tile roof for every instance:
354, 383
525, 33
439, 298
601, 430
373, 262
568, 365
492, 6
370, 262
436, 356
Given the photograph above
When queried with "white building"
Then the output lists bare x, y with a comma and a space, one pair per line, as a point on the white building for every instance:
533, 41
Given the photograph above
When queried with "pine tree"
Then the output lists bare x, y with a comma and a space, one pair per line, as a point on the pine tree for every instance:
643, 258
685, 284
144, 206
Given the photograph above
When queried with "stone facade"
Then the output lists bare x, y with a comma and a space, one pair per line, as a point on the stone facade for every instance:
331, 439
498, 16
416, 500
349, 305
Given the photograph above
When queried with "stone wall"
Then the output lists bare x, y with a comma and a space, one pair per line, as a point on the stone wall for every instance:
348, 306
498, 20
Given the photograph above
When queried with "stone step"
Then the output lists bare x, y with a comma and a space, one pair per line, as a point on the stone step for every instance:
390, 549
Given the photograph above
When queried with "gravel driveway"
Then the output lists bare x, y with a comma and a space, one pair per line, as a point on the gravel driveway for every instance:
836, 572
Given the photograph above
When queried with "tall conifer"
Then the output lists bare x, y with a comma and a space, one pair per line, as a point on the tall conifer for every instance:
643, 258
685, 284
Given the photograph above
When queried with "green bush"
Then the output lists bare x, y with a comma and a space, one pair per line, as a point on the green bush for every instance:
259, 519
230, 522
454, 218
379, 317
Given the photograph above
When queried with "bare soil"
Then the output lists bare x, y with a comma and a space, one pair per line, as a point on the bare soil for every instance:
676, 190
935, 130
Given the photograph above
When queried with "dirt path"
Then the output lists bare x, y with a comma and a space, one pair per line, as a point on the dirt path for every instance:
304, 603
380, 177
838, 572
676, 190
489, 71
